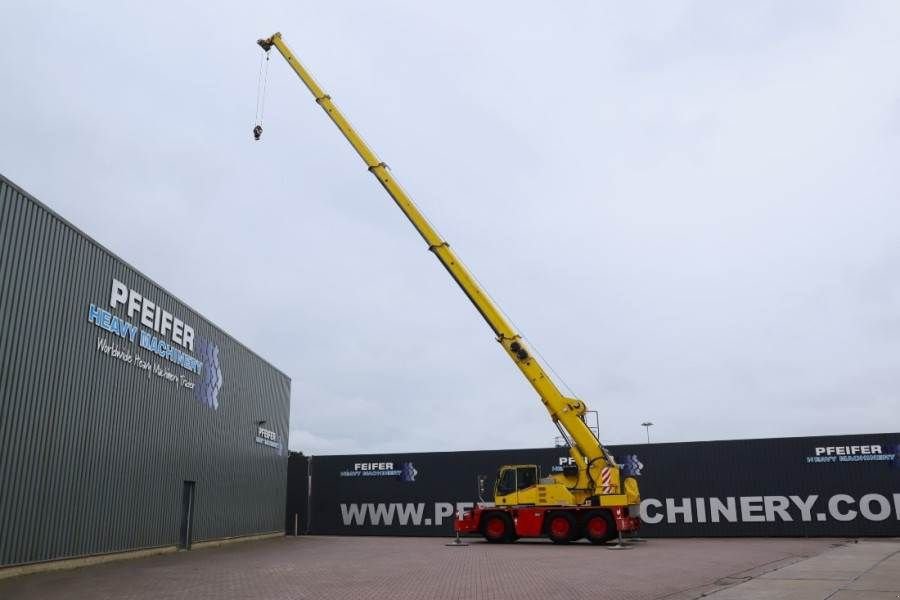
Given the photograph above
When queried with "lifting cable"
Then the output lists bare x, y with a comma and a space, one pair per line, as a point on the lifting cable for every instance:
262, 80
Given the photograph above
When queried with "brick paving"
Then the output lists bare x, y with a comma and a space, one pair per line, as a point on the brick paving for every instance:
370, 568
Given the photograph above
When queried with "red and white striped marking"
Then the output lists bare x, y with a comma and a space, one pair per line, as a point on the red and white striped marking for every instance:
606, 480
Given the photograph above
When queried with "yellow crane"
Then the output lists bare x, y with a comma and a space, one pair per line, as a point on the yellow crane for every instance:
590, 499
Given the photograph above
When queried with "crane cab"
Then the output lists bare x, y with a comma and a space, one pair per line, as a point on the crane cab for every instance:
522, 485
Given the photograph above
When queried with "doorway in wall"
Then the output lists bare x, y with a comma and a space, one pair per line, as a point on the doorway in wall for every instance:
187, 516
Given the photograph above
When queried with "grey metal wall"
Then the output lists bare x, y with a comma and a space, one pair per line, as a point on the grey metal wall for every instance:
93, 449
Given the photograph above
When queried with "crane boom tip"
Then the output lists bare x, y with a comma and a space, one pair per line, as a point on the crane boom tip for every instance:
266, 43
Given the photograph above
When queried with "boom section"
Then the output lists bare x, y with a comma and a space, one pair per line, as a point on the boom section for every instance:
567, 412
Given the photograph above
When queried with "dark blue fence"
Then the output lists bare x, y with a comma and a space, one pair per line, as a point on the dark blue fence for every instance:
845, 485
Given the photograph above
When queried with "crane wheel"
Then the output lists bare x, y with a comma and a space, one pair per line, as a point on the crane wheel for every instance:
497, 528
599, 526
561, 528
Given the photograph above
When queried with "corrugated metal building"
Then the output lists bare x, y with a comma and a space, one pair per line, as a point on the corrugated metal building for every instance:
127, 421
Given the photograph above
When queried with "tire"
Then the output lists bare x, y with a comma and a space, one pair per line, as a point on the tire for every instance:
599, 526
561, 527
497, 528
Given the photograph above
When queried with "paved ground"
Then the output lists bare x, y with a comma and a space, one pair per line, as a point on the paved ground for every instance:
324, 568
868, 570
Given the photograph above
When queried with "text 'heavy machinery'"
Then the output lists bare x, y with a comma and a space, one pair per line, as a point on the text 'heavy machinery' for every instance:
589, 499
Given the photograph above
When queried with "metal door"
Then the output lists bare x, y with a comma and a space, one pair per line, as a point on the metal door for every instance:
187, 516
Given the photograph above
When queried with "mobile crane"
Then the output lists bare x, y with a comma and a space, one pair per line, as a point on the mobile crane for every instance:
588, 499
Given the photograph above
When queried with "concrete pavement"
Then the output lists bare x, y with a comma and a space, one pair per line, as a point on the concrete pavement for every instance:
866, 570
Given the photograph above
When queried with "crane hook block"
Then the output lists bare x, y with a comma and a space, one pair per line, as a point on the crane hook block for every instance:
257, 132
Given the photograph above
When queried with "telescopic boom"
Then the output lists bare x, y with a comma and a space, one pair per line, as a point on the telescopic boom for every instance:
567, 413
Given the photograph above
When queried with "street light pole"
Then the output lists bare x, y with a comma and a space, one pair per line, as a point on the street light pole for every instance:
647, 425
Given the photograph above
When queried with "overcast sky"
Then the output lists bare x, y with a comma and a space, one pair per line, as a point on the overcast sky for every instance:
692, 209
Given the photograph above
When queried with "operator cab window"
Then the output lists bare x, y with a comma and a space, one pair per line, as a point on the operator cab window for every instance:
516, 479
527, 477
507, 482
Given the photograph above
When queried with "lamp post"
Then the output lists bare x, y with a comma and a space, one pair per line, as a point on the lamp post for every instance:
647, 425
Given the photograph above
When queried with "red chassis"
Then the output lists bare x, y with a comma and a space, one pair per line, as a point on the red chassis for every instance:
562, 524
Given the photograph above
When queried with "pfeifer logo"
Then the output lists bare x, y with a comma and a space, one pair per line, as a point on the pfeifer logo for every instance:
207, 392
631, 466
850, 453
403, 471
408, 472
